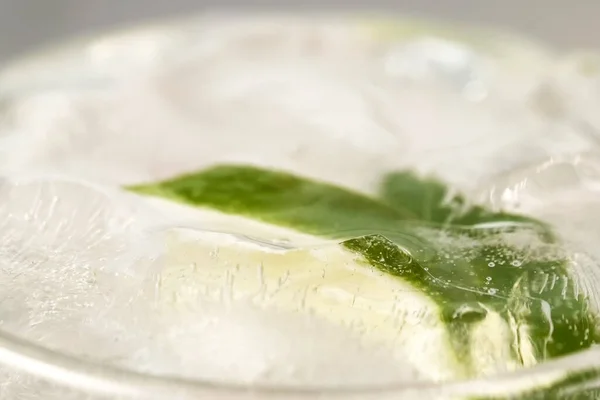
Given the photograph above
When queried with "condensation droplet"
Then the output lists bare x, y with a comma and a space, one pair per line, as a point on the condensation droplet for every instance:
516, 263
491, 264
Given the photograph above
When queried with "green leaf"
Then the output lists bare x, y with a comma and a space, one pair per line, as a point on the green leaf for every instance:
281, 198
432, 201
544, 300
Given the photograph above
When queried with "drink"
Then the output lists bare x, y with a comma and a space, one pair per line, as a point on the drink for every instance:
275, 207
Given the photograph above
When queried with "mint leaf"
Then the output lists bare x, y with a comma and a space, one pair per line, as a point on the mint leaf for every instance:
281, 198
556, 316
432, 201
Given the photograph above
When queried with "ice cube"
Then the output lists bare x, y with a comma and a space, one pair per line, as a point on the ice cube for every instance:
242, 343
564, 192
436, 60
77, 270
69, 253
561, 188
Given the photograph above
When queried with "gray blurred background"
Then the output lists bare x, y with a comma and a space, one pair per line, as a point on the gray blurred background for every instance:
26, 24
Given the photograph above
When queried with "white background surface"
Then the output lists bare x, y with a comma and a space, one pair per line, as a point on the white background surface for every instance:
30, 23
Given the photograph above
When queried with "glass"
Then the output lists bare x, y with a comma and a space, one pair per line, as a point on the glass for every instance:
342, 99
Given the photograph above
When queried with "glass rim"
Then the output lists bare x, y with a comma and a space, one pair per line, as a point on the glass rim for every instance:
75, 49
88, 375
92, 376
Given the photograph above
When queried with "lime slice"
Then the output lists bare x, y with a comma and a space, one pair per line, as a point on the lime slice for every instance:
335, 283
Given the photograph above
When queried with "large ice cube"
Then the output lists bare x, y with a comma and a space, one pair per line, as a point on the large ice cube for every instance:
70, 253
564, 191
78, 269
